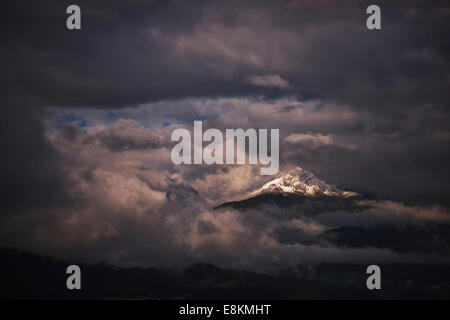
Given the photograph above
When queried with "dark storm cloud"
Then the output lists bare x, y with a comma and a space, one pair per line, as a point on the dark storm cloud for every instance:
367, 109
29, 166
140, 51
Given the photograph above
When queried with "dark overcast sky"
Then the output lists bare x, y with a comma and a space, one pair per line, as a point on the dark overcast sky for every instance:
360, 108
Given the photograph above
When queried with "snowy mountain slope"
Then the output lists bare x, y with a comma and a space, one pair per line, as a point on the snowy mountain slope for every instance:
302, 182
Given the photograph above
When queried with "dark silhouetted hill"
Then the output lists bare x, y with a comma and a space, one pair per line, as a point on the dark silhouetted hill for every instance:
28, 276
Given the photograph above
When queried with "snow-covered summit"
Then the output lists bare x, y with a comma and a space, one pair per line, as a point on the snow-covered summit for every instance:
301, 181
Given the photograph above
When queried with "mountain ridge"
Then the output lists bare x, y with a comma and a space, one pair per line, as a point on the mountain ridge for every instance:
301, 191
302, 182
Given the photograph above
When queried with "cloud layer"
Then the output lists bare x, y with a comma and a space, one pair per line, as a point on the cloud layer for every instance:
86, 119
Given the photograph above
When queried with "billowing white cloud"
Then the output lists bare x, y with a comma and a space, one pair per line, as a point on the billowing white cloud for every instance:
269, 81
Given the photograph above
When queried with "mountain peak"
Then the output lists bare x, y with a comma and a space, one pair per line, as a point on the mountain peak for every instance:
301, 181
